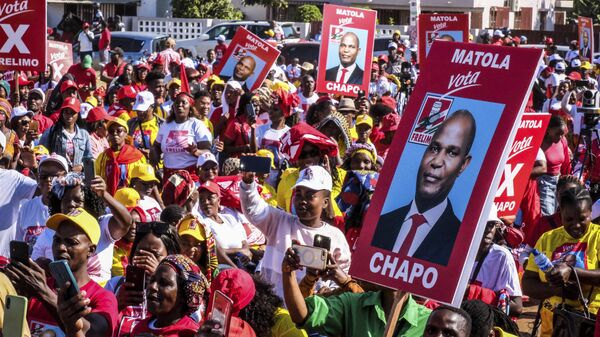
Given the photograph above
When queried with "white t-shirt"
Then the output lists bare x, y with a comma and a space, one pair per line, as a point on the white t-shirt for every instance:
280, 228
230, 233
151, 207
32, 220
15, 189
99, 264
269, 138
174, 139
84, 42
499, 271
306, 102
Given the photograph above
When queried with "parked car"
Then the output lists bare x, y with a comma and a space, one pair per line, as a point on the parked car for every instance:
208, 40
135, 45
562, 50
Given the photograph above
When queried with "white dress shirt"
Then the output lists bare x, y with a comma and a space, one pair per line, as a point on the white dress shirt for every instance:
348, 73
432, 216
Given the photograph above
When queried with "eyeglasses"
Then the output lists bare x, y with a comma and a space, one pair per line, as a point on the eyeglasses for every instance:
155, 227
310, 154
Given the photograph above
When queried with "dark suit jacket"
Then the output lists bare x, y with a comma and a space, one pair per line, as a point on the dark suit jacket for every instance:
438, 243
355, 78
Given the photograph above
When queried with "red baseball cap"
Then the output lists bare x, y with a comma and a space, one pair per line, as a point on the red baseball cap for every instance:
390, 122
549, 40
71, 103
96, 114
574, 76
210, 186
389, 101
126, 91
86, 25
24, 82
66, 85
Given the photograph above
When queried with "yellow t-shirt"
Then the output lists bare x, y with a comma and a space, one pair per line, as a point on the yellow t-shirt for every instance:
269, 194
100, 167
288, 180
284, 326
150, 130
120, 254
209, 125
124, 116
584, 253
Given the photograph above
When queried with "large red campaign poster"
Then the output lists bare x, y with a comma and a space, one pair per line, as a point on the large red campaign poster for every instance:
427, 217
520, 163
60, 57
346, 50
447, 27
22, 35
248, 60
585, 28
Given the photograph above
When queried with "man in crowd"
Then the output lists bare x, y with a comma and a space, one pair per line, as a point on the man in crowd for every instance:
86, 40
115, 67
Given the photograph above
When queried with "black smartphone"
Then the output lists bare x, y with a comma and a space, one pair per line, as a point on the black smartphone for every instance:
250, 112
137, 276
19, 251
255, 164
89, 170
322, 241
61, 272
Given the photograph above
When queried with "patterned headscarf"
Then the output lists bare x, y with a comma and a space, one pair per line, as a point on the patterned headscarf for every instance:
356, 148
178, 188
71, 179
340, 121
6, 107
194, 282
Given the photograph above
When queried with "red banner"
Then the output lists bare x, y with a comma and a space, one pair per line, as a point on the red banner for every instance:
248, 60
520, 163
346, 50
447, 27
22, 35
585, 27
60, 57
427, 217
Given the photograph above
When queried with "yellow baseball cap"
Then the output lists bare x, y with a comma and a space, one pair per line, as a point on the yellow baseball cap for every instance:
144, 172
92, 100
117, 120
364, 119
175, 81
191, 226
268, 154
82, 219
586, 65
127, 196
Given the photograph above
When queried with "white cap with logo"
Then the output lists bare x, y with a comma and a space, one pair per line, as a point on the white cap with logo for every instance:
143, 100
316, 178
55, 158
205, 157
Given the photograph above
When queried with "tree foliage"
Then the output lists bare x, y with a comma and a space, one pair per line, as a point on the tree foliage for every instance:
205, 9
309, 13
266, 3
588, 8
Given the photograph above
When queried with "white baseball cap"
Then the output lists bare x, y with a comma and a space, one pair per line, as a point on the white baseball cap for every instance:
596, 60
20, 111
84, 109
39, 92
205, 157
498, 33
494, 214
575, 63
393, 45
554, 57
2, 141
55, 158
560, 66
221, 38
316, 178
143, 100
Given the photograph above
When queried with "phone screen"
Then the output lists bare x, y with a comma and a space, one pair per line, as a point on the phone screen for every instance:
137, 276
89, 170
322, 241
19, 251
255, 164
221, 311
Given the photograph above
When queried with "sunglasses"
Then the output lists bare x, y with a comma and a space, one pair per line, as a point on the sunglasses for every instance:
155, 227
310, 154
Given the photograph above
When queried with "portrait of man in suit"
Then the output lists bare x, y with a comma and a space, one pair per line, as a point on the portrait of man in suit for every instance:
585, 51
426, 228
347, 71
242, 71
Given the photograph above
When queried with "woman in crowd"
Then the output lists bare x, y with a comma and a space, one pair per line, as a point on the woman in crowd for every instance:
198, 243
9, 134
181, 139
558, 161
46, 81
176, 290
139, 79
68, 139
96, 125
19, 122
573, 248
360, 157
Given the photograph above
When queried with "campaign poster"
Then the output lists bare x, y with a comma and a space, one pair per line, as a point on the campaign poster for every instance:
248, 60
585, 28
346, 50
59, 57
427, 216
22, 35
446, 27
520, 163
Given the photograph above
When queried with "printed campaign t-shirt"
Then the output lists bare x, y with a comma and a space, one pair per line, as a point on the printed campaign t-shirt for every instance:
230, 233
151, 208
174, 139
185, 327
15, 188
102, 302
32, 220
145, 137
499, 271
305, 103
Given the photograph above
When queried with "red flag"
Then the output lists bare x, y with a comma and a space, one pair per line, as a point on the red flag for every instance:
185, 86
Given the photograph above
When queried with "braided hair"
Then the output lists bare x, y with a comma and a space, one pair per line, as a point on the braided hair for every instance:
482, 317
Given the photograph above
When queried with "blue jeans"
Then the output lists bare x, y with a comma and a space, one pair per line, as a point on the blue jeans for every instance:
547, 190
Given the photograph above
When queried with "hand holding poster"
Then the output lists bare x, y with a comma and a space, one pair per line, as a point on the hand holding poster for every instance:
585, 28
22, 35
60, 57
248, 60
461, 127
447, 27
520, 162
346, 50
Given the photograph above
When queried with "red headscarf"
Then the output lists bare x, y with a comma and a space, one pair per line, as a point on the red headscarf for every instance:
301, 133
286, 101
116, 166
237, 285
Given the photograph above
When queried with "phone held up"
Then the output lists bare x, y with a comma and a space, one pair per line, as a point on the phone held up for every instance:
61, 272
221, 310
311, 257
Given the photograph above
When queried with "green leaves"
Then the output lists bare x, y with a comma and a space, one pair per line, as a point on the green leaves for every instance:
309, 13
205, 9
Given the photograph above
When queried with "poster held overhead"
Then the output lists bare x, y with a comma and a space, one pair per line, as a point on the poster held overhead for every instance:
60, 57
585, 28
520, 163
447, 27
248, 60
22, 35
346, 50
425, 222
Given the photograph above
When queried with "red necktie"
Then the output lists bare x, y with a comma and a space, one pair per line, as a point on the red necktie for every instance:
344, 71
417, 221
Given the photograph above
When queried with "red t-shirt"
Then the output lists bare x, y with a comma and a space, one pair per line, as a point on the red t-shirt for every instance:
185, 327
113, 70
102, 302
544, 224
45, 122
557, 158
238, 131
83, 77
220, 51
104, 42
